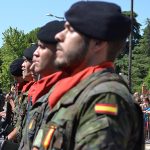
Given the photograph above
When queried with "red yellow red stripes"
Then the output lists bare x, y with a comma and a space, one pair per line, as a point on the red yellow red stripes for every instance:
31, 124
48, 137
102, 108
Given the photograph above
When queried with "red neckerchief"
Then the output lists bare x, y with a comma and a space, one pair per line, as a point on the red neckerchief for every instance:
42, 86
66, 84
27, 86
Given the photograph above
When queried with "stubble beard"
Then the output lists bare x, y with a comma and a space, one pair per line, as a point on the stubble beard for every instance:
70, 61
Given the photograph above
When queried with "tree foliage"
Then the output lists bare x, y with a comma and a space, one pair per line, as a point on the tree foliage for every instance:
141, 60
14, 42
147, 80
123, 59
140, 56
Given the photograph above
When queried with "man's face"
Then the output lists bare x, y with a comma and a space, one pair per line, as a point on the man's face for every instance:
43, 58
26, 73
71, 49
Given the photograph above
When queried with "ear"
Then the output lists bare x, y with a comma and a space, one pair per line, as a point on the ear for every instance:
100, 45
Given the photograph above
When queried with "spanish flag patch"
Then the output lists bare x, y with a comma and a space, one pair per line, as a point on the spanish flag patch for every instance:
110, 109
31, 124
48, 137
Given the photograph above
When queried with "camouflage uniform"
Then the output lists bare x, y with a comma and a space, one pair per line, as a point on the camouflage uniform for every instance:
22, 110
97, 114
17, 120
33, 122
18, 101
11, 115
16, 109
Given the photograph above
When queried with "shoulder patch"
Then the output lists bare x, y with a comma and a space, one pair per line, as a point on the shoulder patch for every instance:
48, 137
102, 108
31, 124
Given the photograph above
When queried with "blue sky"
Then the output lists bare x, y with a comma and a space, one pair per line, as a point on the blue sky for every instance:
26, 15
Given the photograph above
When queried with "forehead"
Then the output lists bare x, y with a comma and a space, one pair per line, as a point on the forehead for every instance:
40, 42
27, 60
24, 58
68, 25
45, 45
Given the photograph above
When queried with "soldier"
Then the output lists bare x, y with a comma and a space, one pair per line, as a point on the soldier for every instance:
13, 138
12, 100
43, 61
93, 108
16, 72
22, 100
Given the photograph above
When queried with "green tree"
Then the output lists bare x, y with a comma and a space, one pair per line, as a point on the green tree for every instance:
14, 42
31, 37
147, 80
122, 60
141, 61
140, 55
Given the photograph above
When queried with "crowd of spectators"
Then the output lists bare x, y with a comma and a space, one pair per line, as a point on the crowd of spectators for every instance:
144, 102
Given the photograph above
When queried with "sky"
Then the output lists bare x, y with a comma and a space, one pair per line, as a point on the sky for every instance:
26, 15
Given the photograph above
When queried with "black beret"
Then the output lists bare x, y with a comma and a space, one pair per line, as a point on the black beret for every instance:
47, 33
15, 67
28, 52
99, 20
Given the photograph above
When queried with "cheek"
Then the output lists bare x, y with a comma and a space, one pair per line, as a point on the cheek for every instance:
47, 55
28, 67
28, 70
48, 60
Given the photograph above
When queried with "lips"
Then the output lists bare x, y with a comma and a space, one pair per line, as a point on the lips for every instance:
34, 61
58, 53
58, 47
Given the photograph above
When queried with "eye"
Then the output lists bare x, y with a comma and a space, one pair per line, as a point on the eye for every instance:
42, 46
69, 28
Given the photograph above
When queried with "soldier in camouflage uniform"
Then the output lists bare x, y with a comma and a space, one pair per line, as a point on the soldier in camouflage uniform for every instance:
93, 108
43, 60
22, 99
16, 68
16, 72
14, 138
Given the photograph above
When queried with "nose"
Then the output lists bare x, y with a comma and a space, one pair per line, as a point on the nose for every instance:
59, 36
22, 64
35, 52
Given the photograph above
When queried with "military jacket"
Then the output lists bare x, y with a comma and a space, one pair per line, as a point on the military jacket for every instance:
22, 110
16, 109
33, 122
97, 114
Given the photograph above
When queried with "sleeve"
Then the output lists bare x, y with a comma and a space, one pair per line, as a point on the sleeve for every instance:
20, 119
39, 136
104, 124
